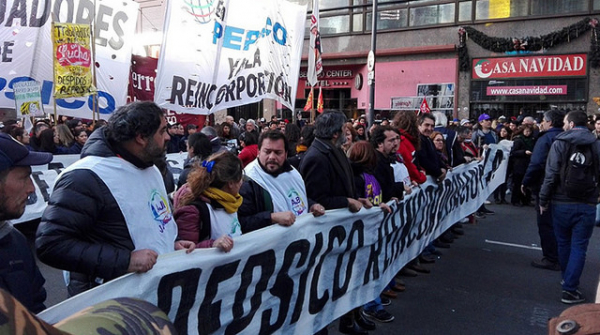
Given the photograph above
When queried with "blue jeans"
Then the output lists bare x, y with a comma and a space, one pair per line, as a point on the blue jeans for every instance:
573, 226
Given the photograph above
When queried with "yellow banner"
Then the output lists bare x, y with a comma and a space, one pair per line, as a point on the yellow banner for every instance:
73, 76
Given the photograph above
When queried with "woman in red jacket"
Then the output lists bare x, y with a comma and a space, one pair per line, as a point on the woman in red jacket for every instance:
406, 122
248, 141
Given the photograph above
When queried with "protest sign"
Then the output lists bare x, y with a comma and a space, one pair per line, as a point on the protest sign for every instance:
73, 58
28, 99
27, 54
296, 280
229, 53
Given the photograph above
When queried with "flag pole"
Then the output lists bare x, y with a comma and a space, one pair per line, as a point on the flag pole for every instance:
371, 113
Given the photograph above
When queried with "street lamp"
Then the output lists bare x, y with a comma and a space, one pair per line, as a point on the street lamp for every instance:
371, 65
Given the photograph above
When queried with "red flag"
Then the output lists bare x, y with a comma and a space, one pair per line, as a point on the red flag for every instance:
320, 101
309, 101
424, 107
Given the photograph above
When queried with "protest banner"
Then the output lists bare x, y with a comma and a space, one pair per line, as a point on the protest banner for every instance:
26, 43
296, 280
73, 58
229, 53
28, 99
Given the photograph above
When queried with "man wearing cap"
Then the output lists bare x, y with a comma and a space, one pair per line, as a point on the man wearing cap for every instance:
485, 135
466, 123
501, 121
109, 212
19, 273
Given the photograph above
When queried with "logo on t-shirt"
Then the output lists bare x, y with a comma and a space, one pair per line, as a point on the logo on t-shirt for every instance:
298, 206
160, 210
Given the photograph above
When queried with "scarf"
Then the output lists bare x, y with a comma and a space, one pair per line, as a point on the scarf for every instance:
301, 148
230, 203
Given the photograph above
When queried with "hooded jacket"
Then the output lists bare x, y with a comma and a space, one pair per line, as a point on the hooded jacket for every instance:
551, 188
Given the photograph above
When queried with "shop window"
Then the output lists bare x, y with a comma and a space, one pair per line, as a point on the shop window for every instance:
389, 19
430, 15
551, 7
500, 9
464, 11
596, 4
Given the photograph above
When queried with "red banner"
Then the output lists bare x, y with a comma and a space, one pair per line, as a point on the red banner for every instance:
141, 87
532, 66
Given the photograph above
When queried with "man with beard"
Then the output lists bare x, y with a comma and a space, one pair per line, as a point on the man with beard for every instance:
274, 191
109, 212
329, 181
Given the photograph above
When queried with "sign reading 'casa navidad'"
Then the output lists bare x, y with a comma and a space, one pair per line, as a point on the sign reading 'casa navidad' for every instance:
531, 66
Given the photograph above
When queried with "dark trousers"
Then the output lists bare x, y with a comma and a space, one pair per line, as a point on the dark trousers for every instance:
546, 232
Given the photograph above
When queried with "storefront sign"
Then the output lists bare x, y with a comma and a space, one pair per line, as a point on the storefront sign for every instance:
528, 90
331, 74
533, 66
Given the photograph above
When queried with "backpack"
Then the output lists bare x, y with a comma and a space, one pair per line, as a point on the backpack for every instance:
579, 175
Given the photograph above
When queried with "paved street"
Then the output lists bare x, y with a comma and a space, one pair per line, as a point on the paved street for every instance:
483, 284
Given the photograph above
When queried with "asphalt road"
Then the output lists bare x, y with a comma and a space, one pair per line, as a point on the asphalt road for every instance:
483, 284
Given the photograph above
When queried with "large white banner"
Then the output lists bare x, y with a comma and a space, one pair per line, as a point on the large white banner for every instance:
226, 53
296, 280
27, 50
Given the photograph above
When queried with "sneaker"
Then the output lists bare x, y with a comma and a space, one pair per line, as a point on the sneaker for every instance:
486, 211
380, 316
464, 220
385, 301
544, 263
487, 202
479, 215
572, 297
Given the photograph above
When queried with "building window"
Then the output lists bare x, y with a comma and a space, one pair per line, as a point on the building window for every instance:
431, 15
465, 10
551, 7
334, 24
500, 9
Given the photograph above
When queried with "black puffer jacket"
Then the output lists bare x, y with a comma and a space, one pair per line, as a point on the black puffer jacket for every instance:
19, 274
82, 229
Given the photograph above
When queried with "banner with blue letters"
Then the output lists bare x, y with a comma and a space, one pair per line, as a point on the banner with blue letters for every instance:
225, 53
298, 279
26, 50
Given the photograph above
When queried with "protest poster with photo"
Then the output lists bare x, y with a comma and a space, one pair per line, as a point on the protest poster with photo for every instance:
229, 53
28, 98
25, 36
73, 75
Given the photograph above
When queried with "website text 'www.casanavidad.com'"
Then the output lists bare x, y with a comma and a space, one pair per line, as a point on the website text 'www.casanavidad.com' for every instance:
528, 90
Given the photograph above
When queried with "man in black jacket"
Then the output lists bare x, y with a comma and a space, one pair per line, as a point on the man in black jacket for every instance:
108, 213
328, 177
19, 273
427, 158
273, 192
386, 141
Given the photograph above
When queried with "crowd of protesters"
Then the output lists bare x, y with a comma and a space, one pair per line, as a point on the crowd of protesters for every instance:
238, 178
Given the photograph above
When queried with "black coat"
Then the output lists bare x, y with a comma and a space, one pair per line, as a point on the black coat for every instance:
19, 273
328, 178
82, 229
519, 159
384, 173
428, 158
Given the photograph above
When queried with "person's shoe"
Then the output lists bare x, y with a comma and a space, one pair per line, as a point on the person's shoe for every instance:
479, 215
363, 322
380, 316
503, 202
398, 288
390, 294
572, 297
516, 204
385, 301
487, 202
457, 225
418, 268
446, 238
544, 263
349, 326
426, 259
486, 211
464, 220
440, 244
407, 272
498, 201
437, 253
457, 231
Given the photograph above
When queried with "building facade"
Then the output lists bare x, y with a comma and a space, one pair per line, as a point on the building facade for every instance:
462, 57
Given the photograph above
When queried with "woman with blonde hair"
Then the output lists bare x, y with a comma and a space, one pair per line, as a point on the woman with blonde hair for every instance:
65, 136
206, 206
